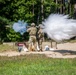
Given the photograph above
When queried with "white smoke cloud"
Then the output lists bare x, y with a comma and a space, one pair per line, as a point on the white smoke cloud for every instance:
59, 27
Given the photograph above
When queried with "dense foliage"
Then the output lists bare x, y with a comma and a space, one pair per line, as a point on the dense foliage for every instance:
27, 10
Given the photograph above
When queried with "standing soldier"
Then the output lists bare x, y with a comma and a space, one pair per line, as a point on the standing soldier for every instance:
40, 37
32, 39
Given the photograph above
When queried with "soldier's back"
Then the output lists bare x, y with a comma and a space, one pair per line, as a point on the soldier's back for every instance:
40, 33
33, 31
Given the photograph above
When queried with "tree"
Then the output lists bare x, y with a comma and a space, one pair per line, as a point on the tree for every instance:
3, 24
30, 11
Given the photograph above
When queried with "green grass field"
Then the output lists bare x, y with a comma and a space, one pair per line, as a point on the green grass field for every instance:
7, 47
36, 65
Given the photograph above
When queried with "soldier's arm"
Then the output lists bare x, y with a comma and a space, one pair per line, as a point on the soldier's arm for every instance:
28, 30
39, 32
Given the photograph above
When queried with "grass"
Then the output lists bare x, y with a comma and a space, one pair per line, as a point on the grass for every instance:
36, 65
70, 41
7, 47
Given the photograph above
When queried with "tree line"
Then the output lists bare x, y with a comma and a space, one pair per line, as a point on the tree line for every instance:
30, 11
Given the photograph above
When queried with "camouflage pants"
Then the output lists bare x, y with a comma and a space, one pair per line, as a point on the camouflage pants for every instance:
32, 43
40, 43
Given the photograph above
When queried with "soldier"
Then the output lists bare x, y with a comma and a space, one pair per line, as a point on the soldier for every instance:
32, 39
40, 37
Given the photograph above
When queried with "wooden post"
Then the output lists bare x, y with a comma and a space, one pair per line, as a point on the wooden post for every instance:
51, 43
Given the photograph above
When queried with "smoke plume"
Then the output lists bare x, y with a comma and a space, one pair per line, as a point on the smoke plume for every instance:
59, 27
20, 27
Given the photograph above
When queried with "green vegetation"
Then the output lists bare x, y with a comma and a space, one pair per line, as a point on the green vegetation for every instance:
7, 47
70, 41
36, 65
30, 11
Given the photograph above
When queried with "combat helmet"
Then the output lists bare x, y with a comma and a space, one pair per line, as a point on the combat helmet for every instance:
32, 24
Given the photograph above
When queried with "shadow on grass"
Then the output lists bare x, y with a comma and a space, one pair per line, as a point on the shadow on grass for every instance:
66, 52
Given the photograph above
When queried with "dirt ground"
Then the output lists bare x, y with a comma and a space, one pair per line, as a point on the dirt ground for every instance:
65, 50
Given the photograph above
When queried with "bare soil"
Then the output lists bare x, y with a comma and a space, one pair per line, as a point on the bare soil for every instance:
65, 50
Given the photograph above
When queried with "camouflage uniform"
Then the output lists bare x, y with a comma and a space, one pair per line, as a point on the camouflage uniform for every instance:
40, 37
32, 39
